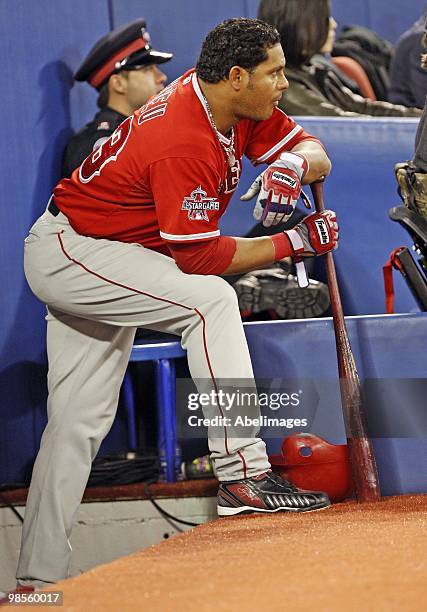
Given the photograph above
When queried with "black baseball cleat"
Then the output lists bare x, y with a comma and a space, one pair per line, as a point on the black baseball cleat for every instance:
267, 492
273, 289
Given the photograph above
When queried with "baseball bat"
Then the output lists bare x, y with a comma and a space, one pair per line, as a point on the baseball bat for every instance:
362, 457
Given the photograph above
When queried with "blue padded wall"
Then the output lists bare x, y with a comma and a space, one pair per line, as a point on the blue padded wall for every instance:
178, 27
41, 43
389, 18
389, 352
361, 188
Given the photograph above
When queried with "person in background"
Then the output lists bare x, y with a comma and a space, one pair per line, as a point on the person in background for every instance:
408, 80
316, 87
411, 175
124, 68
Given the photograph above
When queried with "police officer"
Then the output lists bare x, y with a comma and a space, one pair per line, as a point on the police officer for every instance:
124, 68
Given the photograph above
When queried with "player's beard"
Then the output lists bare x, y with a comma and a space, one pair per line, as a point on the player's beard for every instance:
256, 114
255, 106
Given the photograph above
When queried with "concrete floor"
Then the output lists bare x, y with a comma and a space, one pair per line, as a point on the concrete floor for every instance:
107, 530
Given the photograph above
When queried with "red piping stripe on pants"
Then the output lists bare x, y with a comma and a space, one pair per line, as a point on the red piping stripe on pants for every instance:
154, 297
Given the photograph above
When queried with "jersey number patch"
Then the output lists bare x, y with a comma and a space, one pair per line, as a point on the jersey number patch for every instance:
107, 152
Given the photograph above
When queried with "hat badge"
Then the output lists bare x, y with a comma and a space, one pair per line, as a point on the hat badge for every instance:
146, 38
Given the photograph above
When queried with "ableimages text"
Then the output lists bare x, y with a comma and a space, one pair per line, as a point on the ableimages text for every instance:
245, 421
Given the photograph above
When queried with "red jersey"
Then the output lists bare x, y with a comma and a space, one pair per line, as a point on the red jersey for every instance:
163, 176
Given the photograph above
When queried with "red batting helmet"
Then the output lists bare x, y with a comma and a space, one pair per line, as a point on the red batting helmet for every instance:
312, 463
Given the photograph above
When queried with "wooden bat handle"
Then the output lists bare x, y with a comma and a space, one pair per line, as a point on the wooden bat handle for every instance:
317, 191
362, 457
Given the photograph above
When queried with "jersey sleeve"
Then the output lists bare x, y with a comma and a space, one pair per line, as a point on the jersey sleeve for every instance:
207, 257
267, 139
185, 193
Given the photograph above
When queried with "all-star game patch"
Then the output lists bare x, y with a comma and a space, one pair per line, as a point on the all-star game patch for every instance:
197, 205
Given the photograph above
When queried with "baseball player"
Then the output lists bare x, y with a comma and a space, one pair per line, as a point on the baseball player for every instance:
124, 68
132, 239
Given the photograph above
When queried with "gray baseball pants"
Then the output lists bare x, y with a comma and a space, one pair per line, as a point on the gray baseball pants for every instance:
98, 292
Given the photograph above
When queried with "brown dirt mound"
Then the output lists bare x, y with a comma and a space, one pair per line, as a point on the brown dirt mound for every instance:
348, 557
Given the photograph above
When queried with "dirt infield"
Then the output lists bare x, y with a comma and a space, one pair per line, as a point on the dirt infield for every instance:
348, 557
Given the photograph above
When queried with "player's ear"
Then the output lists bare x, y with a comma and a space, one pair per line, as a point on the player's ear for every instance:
238, 77
118, 83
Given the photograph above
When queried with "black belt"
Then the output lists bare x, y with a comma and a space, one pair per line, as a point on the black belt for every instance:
53, 209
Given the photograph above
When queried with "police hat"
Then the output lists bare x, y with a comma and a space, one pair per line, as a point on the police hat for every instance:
123, 48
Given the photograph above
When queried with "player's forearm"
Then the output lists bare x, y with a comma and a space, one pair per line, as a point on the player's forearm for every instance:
253, 253
319, 162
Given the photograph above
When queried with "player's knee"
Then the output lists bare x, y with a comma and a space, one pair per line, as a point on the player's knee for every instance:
218, 291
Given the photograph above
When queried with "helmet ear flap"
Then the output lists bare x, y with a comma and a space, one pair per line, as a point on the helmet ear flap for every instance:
312, 463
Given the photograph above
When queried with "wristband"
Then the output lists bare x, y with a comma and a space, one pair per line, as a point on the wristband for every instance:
282, 246
296, 158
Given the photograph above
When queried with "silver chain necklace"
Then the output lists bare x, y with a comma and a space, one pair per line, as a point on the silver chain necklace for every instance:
229, 150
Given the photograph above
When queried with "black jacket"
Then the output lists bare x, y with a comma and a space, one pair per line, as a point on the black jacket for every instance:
420, 158
408, 81
315, 89
371, 51
94, 133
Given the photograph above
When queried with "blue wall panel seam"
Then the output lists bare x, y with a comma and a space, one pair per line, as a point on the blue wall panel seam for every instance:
110, 14
369, 13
